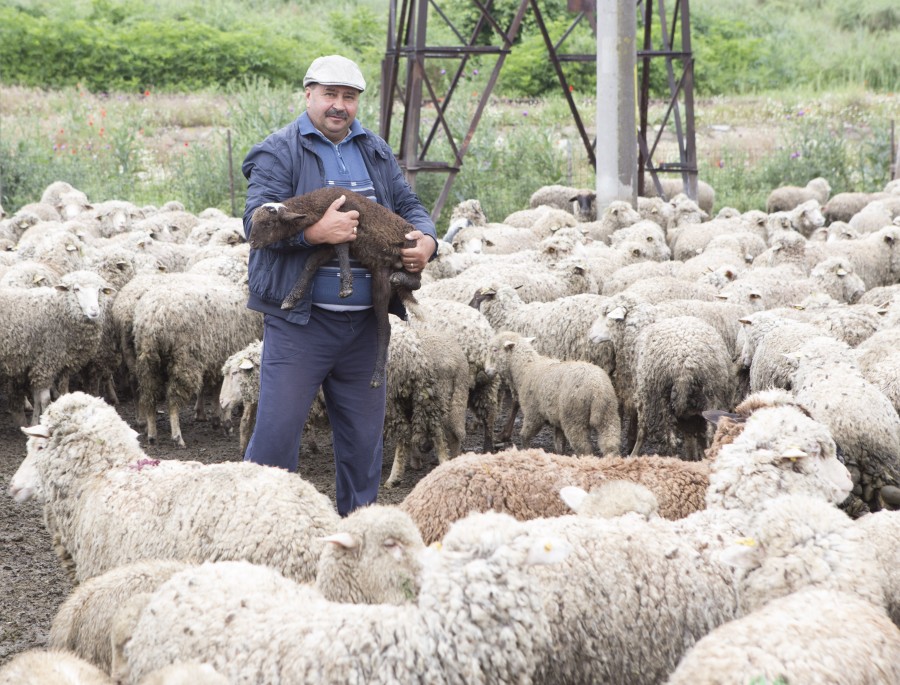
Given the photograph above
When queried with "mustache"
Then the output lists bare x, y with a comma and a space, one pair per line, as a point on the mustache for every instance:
332, 112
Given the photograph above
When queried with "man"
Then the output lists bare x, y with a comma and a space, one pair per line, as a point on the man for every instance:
324, 340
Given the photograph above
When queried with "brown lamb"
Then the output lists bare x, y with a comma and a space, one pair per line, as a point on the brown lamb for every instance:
380, 237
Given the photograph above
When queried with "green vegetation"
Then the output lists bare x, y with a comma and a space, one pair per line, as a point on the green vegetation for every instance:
137, 100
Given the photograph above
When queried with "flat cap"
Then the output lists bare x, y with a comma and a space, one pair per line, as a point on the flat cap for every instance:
334, 70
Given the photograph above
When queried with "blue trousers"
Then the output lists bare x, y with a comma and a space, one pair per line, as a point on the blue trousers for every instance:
337, 351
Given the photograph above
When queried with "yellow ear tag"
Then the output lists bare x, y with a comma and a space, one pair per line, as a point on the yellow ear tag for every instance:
747, 542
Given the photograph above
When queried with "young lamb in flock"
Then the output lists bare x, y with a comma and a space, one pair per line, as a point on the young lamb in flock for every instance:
380, 237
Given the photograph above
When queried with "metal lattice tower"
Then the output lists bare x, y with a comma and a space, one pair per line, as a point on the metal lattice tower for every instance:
407, 47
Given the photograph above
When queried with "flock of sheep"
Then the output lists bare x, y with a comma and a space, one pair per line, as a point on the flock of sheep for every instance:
719, 507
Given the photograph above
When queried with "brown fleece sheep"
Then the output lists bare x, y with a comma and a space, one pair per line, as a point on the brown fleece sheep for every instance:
526, 485
379, 239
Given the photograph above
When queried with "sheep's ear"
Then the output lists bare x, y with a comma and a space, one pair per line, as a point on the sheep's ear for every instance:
573, 496
107, 290
344, 540
617, 314
246, 364
744, 554
793, 454
529, 340
61, 287
509, 344
37, 431
746, 322
713, 416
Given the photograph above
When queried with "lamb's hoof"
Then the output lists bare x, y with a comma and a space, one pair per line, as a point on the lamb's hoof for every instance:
345, 292
151, 439
288, 304
388, 484
377, 381
178, 441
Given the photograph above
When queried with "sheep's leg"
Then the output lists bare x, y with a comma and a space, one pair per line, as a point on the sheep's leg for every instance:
111, 391
150, 417
559, 440
313, 262
509, 426
639, 438
343, 255
41, 400
248, 420
579, 437
175, 424
531, 426
399, 466
381, 295
610, 432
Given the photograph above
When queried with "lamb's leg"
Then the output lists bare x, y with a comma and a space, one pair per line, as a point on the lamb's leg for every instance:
248, 421
343, 255
175, 425
381, 295
315, 260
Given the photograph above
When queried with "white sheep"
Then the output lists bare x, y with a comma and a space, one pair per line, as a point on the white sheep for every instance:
572, 397
526, 484
51, 332
102, 499
617, 214
862, 420
465, 213
51, 667
68, 200
477, 620
610, 499
427, 394
706, 195
473, 331
875, 256
879, 362
645, 232
875, 215
787, 197
183, 332
821, 636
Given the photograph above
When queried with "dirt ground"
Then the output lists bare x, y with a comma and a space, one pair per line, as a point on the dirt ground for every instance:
32, 582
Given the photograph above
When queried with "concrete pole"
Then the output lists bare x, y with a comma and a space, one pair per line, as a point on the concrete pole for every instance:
616, 126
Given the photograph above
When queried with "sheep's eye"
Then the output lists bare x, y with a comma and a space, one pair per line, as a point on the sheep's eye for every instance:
391, 542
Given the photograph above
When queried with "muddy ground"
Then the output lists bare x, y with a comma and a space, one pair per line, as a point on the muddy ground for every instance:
32, 582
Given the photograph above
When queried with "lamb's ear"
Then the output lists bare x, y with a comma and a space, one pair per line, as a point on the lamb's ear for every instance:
509, 344
743, 554
37, 431
617, 314
344, 540
573, 496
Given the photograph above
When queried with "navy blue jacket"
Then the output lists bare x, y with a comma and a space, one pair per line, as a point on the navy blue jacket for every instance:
285, 165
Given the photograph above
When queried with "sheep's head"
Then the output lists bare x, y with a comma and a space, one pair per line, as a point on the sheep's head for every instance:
273, 221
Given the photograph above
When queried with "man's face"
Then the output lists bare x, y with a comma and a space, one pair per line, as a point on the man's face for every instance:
332, 109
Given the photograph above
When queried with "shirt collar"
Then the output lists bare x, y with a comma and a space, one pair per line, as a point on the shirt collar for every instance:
307, 128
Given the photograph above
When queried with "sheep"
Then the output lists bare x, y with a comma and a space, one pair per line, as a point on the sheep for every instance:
851, 323
62, 251
610, 499
427, 393
240, 385
878, 358
526, 484
799, 541
578, 201
647, 232
657, 210
208, 228
617, 214
68, 200
559, 327
541, 220
875, 215
477, 620
864, 424
115, 216
836, 230
875, 257
51, 332
767, 338
706, 195
82, 623
842, 206
745, 244
622, 278
882, 530
367, 558
653, 290
29, 274
181, 673
51, 667
473, 332
821, 636
717, 268
102, 497
785, 198
182, 336
465, 213
496, 239
380, 237
571, 396
535, 281
682, 368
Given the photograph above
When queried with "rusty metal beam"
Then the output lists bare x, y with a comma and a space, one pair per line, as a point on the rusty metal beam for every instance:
406, 41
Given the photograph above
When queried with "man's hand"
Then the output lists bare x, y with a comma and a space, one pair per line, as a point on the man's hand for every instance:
415, 258
335, 226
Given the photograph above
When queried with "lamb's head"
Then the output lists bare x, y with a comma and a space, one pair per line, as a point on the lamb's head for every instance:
77, 431
274, 221
780, 451
373, 557
801, 541
501, 350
